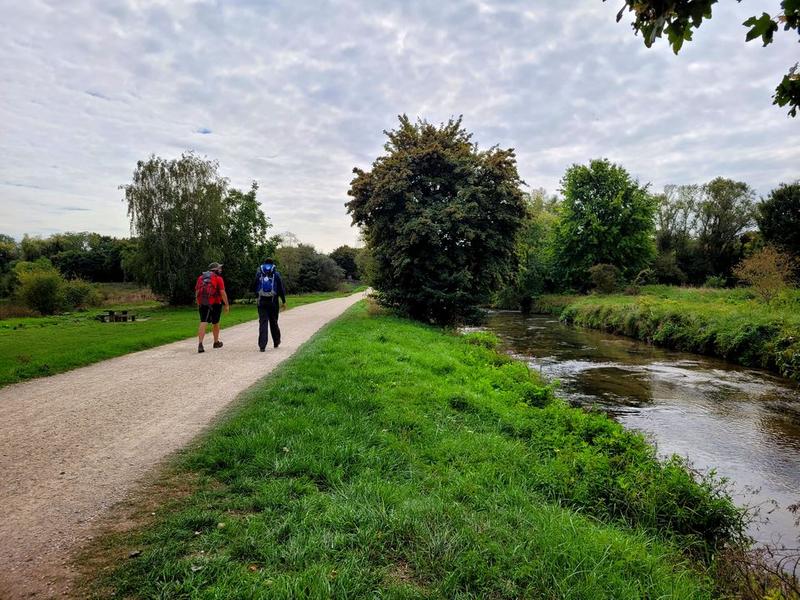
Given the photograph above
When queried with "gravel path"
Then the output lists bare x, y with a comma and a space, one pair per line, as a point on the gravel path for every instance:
74, 444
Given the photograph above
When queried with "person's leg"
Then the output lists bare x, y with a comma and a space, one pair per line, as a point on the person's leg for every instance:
273, 324
263, 320
216, 313
201, 330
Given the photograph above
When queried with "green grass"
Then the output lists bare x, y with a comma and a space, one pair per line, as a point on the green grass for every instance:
39, 346
392, 460
731, 324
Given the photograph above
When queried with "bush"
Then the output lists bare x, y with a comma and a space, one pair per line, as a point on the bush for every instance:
41, 290
78, 293
769, 271
715, 281
605, 278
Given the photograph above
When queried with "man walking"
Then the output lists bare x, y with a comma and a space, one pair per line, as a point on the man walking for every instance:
210, 293
268, 285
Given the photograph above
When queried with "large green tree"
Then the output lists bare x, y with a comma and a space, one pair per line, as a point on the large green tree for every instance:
779, 217
677, 20
606, 218
345, 257
185, 216
440, 218
724, 213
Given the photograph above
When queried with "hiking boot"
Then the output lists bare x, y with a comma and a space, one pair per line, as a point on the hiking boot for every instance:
217, 344
200, 348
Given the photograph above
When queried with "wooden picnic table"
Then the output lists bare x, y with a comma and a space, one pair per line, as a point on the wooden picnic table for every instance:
113, 316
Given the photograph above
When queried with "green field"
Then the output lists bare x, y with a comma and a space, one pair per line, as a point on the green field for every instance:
39, 346
389, 459
732, 324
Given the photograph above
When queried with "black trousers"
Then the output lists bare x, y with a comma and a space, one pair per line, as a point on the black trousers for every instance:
268, 321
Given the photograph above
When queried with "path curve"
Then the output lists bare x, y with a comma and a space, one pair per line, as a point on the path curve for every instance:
72, 445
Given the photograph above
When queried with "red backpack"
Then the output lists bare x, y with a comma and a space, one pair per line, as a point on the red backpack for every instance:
206, 289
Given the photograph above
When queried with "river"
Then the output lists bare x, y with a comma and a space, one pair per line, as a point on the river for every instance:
743, 423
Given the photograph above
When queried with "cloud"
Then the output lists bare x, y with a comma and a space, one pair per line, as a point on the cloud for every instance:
299, 93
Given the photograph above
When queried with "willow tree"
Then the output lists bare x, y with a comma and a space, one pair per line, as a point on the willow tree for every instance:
440, 219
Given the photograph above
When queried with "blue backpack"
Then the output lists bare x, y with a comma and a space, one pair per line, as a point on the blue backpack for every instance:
266, 284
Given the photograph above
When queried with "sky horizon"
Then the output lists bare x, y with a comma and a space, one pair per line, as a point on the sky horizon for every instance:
294, 95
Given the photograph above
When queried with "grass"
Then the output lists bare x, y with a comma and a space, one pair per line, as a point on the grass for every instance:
731, 324
39, 346
389, 459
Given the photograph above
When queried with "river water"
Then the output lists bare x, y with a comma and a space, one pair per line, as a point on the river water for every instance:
744, 423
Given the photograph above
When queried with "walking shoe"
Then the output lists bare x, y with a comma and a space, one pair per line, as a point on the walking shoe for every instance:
217, 344
200, 348
277, 344
262, 349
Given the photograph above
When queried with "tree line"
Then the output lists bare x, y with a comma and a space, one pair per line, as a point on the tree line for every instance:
449, 227
184, 215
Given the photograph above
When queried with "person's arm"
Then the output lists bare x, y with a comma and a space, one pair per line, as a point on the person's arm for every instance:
225, 300
281, 290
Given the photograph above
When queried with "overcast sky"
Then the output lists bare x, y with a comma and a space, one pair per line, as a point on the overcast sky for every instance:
294, 94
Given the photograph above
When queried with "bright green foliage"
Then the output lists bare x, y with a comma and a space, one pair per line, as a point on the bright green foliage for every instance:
678, 18
390, 460
79, 293
40, 346
535, 253
40, 287
606, 217
779, 217
345, 257
731, 324
440, 218
185, 217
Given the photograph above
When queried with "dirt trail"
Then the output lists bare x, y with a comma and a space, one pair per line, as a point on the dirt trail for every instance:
74, 444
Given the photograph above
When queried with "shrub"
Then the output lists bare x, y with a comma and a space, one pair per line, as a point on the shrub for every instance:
769, 271
715, 281
41, 290
78, 293
605, 278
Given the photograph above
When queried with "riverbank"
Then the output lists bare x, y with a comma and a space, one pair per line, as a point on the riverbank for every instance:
390, 458
32, 347
730, 324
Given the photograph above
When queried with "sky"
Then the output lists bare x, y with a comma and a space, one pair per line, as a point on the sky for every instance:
294, 94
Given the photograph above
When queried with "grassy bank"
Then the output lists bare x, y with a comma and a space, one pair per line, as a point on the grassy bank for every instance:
731, 324
39, 346
391, 460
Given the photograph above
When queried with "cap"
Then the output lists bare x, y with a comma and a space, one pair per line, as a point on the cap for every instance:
214, 266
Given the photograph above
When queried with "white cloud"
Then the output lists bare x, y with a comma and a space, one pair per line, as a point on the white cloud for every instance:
295, 94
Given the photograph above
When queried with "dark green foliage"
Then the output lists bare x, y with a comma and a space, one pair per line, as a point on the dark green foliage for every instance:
389, 460
605, 278
41, 290
779, 217
724, 212
303, 269
606, 217
185, 217
246, 243
78, 293
678, 18
440, 218
345, 257
9, 254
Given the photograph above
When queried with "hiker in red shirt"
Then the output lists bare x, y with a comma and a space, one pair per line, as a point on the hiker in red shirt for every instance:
210, 293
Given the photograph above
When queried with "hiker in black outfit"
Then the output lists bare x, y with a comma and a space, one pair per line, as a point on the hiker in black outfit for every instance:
268, 286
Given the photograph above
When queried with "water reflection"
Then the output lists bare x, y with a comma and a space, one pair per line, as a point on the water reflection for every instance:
744, 423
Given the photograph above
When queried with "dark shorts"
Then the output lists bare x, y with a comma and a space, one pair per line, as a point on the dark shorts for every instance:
210, 313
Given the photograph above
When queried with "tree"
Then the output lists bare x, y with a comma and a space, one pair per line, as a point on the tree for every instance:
779, 217
440, 218
606, 218
678, 18
345, 257
319, 273
247, 243
289, 260
769, 271
186, 217
725, 211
